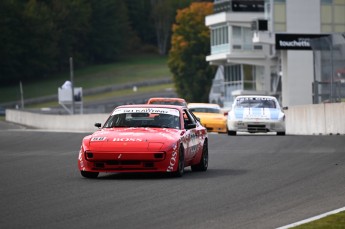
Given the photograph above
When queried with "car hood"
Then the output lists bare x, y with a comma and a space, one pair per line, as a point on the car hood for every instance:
210, 117
132, 139
257, 113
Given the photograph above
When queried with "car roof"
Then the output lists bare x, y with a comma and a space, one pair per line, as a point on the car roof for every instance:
256, 96
151, 106
166, 99
208, 105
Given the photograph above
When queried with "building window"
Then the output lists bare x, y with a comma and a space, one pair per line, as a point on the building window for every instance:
219, 39
232, 74
242, 38
332, 16
249, 81
279, 16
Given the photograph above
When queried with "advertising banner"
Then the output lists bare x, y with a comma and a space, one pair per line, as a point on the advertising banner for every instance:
285, 41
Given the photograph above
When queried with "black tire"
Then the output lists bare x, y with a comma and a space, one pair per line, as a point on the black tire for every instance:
89, 174
231, 132
180, 168
203, 164
281, 133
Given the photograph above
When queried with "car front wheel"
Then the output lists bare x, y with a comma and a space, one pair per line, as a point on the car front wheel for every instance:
231, 132
203, 164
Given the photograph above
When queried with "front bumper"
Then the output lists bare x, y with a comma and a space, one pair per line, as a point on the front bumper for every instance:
216, 127
256, 126
126, 162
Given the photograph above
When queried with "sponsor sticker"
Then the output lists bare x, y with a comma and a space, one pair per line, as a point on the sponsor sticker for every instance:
146, 110
99, 139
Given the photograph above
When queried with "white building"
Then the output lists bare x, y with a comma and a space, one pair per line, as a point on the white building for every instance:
265, 46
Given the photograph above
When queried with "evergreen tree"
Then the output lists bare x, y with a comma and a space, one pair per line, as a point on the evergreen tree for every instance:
110, 30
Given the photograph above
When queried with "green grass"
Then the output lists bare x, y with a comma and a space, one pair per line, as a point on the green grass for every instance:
335, 221
133, 69
112, 94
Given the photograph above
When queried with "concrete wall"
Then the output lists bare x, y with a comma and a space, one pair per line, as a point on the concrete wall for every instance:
315, 119
56, 122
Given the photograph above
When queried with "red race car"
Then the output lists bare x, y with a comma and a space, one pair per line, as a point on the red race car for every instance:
145, 138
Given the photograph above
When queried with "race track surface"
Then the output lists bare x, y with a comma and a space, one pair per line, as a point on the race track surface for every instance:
253, 181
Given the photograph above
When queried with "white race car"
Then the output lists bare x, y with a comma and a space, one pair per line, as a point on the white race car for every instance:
256, 114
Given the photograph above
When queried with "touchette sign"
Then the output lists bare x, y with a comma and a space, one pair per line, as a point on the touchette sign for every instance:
295, 41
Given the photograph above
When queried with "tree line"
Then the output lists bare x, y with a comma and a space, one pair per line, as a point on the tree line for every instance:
37, 37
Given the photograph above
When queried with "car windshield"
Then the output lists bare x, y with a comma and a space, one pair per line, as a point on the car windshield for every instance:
255, 103
143, 117
204, 110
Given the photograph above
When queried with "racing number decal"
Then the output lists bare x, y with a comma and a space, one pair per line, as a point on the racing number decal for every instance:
192, 144
192, 140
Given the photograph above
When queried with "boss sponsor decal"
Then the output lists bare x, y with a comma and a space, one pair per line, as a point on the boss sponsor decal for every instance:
127, 140
95, 139
173, 159
81, 161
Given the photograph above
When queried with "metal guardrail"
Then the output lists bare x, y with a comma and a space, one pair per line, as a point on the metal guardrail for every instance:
90, 91
327, 92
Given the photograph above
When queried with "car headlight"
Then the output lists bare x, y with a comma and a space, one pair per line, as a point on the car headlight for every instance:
281, 117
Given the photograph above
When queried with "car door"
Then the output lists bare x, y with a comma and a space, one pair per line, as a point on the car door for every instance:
191, 139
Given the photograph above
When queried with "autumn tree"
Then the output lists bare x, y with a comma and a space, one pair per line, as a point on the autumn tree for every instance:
190, 43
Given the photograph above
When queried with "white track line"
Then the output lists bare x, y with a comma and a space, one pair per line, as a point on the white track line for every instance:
312, 218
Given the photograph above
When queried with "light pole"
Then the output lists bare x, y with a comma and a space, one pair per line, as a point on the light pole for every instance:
72, 81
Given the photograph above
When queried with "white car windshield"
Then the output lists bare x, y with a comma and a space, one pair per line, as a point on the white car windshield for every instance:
255, 102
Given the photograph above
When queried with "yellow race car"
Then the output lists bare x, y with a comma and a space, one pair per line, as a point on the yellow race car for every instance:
210, 116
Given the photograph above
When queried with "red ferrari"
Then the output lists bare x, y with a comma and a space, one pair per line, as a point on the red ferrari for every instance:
145, 138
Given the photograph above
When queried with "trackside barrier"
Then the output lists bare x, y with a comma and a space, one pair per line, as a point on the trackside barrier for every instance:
314, 119
77, 122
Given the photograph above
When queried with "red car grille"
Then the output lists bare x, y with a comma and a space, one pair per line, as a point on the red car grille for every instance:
124, 165
124, 161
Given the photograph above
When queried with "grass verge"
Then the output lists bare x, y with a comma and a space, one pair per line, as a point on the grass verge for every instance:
335, 221
133, 69
108, 95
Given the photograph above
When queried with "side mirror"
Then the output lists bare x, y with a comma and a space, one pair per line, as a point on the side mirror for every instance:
285, 108
97, 124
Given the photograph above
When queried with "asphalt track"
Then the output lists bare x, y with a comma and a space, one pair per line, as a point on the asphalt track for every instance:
253, 181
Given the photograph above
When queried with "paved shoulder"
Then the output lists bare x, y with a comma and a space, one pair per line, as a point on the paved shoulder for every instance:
11, 126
